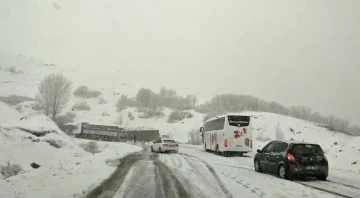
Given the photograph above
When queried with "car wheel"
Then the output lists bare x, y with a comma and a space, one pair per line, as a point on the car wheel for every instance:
282, 172
152, 149
321, 177
257, 166
160, 151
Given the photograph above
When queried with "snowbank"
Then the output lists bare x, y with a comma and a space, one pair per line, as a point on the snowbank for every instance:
7, 113
65, 169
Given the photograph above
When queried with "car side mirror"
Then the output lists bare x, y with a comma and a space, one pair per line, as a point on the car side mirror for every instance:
201, 129
259, 151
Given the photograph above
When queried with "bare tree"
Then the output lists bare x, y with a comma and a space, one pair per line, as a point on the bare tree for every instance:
192, 99
143, 96
54, 94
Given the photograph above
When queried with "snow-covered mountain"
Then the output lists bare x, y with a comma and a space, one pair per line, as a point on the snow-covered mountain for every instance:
266, 125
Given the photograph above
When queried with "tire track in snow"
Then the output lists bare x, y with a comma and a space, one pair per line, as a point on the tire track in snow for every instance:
114, 182
216, 177
171, 186
347, 185
328, 189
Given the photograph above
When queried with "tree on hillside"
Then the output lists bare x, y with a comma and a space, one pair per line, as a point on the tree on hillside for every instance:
168, 97
54, 94
167, 93
122, 103
192, 99
143, 97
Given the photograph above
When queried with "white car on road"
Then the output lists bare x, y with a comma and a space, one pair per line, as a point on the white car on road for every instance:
165, 145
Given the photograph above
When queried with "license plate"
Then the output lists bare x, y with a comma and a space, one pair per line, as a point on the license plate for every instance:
310, 168
171, 145
238, 145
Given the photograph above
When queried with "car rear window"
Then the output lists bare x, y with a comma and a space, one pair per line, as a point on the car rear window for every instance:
306, 149
169, 141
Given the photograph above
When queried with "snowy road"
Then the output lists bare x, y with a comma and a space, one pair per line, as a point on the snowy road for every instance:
196, 173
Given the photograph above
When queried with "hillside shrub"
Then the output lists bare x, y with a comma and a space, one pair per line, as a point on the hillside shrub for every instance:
12, 69
125, 102
146, 113
189, 115
85, 92
37, 107
105, 113
91, 147
131, 116
10, 170
65, 119
176, 116
55, 143
204, 109
18, 108
94, 94
81, 92
102, 101
14, 99
81, 106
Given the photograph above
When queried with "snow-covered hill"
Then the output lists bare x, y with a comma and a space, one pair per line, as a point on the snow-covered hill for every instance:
267, 126
31, 72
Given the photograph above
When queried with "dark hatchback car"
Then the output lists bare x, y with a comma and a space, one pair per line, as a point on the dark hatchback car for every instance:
291, 160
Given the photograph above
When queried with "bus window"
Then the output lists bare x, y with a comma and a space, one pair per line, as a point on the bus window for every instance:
213, 125
239, 121
220, 123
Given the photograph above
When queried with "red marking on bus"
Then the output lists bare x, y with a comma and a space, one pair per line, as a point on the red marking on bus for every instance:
236, 134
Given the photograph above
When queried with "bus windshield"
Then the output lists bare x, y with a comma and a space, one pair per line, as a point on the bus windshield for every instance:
239, 121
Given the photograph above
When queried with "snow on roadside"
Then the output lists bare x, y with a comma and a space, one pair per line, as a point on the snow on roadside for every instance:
66, 170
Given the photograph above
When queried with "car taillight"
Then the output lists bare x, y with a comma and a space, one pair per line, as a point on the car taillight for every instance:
165, 144
250, 143
290, 157
225, 143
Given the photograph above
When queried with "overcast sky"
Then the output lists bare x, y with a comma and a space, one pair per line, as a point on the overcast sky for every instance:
293, 52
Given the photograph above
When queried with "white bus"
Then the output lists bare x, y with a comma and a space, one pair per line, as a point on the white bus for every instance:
228, 134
